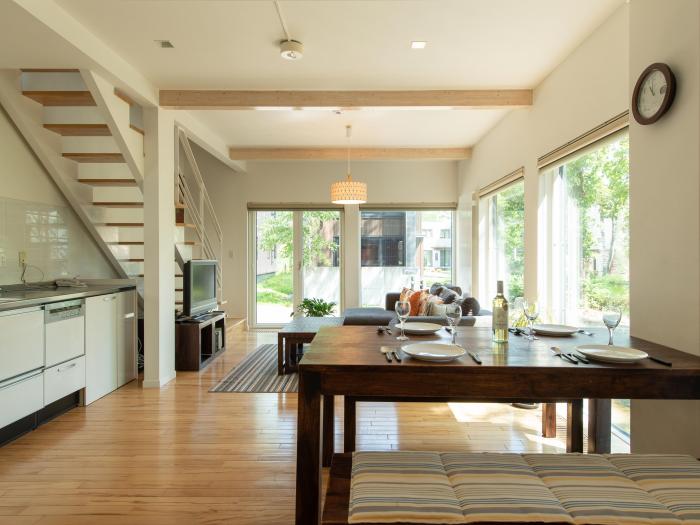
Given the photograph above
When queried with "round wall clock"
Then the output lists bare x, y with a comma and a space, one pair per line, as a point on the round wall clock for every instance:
653, 93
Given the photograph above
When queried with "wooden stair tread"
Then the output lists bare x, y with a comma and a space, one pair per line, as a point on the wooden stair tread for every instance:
180, 206
137, 129
185, 225
120, 224
125, 243
188, 243
117, 204
95, 157
131, 260
141, 275
61, 98
46, 70
108, 182
80, 130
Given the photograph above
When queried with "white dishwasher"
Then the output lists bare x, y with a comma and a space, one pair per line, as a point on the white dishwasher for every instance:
65, 331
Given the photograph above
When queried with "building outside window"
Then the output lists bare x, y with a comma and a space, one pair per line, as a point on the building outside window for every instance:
404, 248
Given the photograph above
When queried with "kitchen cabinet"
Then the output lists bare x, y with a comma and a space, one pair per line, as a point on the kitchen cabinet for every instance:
64, 379
22, 342
127, 367
110, 343
20, 397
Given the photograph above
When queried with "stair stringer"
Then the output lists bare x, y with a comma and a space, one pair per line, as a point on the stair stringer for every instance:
117, 118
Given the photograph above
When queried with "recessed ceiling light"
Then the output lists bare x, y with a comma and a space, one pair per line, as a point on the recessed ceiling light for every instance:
165, 44
291, 49
418, 44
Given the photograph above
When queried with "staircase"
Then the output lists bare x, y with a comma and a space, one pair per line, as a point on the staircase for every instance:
90, 136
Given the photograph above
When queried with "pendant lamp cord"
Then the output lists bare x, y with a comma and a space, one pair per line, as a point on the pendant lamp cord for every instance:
282, 23
348, 134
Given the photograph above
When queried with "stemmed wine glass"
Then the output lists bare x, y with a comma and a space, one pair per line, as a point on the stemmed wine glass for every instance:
612, 318
402, 308
453, 312
531, 309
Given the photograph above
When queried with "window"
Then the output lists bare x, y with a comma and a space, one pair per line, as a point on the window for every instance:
398, 249
584, 234
502, 241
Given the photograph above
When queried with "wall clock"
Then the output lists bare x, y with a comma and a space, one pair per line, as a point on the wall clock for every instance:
653, 93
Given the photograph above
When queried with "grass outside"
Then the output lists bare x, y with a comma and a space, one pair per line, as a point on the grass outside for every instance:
275, 289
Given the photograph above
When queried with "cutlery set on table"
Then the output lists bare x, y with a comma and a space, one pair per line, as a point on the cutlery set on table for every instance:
445, 352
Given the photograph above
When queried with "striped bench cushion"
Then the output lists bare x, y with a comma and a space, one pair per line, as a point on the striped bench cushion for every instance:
501, 488
593, 491
401, 487
673, 480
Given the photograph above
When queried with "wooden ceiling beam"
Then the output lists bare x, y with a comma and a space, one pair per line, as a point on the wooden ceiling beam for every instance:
355, 153
436, 99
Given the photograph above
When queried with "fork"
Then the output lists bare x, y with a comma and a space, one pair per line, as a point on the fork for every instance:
582, 331
557, 351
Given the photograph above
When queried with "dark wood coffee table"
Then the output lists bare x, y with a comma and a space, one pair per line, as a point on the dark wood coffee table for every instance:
291, 339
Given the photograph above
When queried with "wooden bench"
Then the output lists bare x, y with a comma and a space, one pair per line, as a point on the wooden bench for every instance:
551, 488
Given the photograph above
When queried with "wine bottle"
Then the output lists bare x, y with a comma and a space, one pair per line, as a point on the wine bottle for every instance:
499, 317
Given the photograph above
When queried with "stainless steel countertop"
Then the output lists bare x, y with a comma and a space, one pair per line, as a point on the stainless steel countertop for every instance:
22, 297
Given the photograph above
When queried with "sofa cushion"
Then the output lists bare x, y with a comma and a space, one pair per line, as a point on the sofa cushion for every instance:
448, 296
368, 316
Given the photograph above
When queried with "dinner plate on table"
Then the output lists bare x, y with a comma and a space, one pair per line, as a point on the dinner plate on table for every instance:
437, 352
420, 328
556, 330
612, 354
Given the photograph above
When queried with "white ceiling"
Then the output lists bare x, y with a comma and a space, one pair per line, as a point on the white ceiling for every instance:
349, 44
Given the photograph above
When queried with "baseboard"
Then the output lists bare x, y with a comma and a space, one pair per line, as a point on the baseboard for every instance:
157, 383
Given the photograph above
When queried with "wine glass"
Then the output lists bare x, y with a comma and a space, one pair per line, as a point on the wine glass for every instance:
611, 318
531, 309
402, 308
453, 312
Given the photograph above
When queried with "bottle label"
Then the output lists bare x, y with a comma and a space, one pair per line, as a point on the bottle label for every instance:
500, 318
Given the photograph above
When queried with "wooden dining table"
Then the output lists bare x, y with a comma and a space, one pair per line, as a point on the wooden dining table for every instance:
347, 361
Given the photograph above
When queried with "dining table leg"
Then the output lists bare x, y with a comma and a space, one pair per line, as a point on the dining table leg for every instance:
599, 425
328, 429
308, 476
574, 426
549, 420
349, 423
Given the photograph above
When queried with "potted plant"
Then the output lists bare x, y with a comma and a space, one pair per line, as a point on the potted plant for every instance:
315, 307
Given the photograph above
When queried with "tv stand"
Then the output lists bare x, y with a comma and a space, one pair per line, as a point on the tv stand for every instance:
195, 340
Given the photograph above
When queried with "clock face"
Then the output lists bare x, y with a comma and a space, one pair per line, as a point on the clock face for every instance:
652, 93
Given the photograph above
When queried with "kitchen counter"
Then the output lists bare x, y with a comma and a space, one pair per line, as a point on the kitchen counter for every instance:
13, 297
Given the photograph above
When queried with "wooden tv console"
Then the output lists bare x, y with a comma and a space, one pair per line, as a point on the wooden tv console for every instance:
195, 341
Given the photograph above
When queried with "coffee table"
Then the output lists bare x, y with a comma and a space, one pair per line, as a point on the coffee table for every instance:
291, 339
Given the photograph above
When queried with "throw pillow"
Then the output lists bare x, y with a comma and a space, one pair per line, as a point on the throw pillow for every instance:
436, 309
415, 301
448, 296
436, 289
425, 301
405, 294
470, 306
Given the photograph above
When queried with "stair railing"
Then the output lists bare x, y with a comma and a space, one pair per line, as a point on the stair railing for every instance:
191, 189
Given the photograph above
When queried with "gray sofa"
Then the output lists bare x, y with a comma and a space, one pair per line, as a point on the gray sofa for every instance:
376, 316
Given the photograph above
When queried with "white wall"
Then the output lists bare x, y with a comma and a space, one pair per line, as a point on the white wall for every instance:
585, 90
34, 217
309, 182
665, 214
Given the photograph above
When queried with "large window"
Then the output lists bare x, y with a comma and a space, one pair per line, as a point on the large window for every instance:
502, 241
404, 248
584, 234
307, 240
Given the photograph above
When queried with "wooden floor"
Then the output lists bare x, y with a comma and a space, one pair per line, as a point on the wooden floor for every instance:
181, 455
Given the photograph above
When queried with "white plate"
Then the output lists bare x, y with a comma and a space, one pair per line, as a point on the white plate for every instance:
555, 329
439, 352
612, 354
419, 328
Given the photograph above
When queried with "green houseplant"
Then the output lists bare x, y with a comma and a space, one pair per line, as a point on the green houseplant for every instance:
315, 307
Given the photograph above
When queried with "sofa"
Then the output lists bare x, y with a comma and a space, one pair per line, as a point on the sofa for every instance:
376, 316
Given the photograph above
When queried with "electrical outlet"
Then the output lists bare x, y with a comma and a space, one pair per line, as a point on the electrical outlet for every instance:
22, 258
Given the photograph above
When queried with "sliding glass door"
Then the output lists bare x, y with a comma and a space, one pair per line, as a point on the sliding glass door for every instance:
295, 255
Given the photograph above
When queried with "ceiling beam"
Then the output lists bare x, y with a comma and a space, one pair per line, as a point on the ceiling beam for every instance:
437, 99
355, 153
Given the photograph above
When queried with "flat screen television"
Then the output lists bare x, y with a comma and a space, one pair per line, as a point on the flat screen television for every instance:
199, 287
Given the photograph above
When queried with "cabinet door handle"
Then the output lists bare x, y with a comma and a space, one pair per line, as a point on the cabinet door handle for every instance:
129, 315
67, 367
109, 298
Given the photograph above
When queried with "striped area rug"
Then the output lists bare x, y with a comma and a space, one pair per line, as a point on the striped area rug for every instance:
257, 373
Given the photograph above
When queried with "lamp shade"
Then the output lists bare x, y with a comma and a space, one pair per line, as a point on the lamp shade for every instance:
348, 191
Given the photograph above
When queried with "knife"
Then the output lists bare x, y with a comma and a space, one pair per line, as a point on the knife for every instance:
475, 357
557, 351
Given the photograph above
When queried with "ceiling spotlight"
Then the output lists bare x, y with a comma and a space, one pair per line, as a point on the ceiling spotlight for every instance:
291, 49
418, 44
